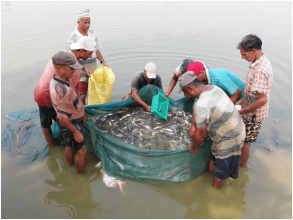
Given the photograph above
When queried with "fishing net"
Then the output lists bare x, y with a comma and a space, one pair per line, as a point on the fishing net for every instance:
120, 159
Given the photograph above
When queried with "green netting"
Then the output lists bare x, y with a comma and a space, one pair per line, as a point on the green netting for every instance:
120, 159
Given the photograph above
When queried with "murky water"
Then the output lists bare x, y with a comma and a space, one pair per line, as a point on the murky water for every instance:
132, 34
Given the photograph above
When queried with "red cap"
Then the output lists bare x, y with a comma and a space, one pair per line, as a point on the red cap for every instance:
195, 67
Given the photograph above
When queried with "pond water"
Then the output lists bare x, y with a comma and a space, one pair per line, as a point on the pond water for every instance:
132, 34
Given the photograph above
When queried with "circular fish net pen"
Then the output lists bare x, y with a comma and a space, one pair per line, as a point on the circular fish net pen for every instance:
132, 143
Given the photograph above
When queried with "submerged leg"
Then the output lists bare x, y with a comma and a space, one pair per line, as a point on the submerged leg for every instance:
211, 166
217, 183
69, 155
48, 136
244, 154
80, 160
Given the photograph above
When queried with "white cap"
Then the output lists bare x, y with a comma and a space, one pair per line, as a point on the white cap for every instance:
151, 68
85, 43
84, 13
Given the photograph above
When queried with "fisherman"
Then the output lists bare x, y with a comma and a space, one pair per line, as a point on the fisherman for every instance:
227, 81
69, 108
180, 70
141, 79
215, 115
83, 22
83, 49
255, 101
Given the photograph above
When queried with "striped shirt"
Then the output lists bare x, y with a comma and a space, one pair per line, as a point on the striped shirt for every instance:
259, 79
225, 125
65, 100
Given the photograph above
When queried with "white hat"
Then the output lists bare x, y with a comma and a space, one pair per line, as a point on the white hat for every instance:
151, 68
85, 13
85, 43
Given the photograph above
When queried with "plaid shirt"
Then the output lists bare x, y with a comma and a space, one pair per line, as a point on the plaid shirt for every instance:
259, 79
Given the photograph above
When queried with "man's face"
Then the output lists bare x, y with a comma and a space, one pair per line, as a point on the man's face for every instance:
146, 76
68, 72
86, 54
84, 24
248, 55
191, 92
202, 76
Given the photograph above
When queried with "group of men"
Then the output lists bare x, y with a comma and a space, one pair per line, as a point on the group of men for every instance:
61, 92
216, 92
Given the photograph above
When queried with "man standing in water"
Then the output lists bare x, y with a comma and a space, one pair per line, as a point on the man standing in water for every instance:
83, 21
214, 114
70, 111
255, 101
83, 49
141, 79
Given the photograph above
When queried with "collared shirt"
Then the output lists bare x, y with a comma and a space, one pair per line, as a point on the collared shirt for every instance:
259, 79
225, 124
65, 99
139, 80
226, 80
42, 92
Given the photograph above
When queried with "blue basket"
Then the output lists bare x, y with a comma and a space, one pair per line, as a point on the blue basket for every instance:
160, 105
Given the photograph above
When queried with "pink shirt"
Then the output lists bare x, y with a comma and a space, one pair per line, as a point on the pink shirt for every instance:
65, 99
259, 79
42, 93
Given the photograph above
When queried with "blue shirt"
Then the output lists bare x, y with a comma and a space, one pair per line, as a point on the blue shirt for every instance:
227, 81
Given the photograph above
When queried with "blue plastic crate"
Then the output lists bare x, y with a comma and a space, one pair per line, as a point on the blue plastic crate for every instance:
160, 105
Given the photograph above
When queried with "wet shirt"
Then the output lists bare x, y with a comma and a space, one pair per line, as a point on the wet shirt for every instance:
259, 79
42, 92
225, 125
227, 81
139, 80
65, 100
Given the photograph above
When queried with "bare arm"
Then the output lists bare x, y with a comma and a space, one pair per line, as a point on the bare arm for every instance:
262, 100
172, 85
100, 58
235, 96
200, 135
65, 121
193, 125
136, 97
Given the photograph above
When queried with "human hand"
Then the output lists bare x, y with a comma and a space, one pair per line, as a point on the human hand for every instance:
148, 108
105, 64
191, 150
84, 120
238, 102
87, 71
125, 97
78, 136
166, 94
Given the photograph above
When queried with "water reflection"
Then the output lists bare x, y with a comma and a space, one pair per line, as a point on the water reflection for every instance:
71, 192
202, 200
